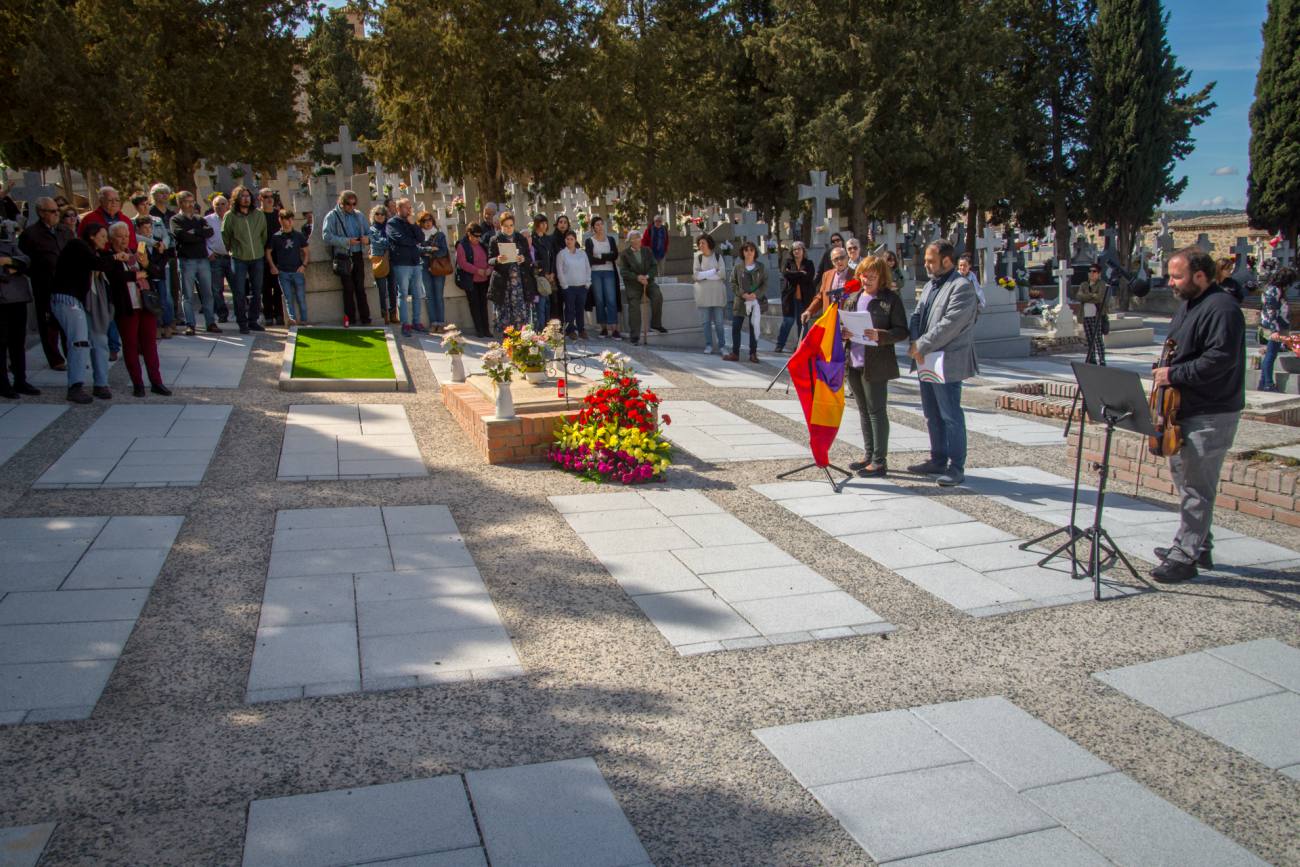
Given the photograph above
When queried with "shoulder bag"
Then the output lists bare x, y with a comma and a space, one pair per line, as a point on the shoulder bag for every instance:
379, 266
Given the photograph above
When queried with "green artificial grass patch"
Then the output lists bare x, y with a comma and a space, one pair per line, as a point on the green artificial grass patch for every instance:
342, 353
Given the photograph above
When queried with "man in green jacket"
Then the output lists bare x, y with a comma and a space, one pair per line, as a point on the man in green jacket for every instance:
637, 267
243, 231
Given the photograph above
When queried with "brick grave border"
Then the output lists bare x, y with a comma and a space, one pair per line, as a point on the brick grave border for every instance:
501, 441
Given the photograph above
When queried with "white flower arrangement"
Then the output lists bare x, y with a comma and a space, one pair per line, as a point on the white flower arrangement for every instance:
616, 362
497, 364
453, 342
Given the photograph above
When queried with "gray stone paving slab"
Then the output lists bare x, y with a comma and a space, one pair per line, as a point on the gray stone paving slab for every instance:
960, 586
205, 360
693, 616
287, 656
729, 558
747, 584
993, 556
716, 372
1267, 658
324, 441
805, 612
19, 423
650, 572
674, 504
721, 529
1021, 750
617, 519
62, 642
304, 601
120, 448
858, 747
988, 784
403, 605
354, 826
30, 687
1267, 729
929, 810
1055, 846
744, 439
555, 813
1129, 824
901, 437
22, 846
116, 568
1183, 684
947, 536
574, 503
71, 606
893, 550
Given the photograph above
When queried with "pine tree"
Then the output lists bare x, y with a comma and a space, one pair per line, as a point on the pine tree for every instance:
1140, 118
1273, 186
336, 90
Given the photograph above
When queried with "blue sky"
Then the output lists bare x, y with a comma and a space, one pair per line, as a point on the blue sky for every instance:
1219, 41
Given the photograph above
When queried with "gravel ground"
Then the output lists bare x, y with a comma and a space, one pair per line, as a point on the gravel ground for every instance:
165, 769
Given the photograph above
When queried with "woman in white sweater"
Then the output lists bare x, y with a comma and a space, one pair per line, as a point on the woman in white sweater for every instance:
573, 271
710, 292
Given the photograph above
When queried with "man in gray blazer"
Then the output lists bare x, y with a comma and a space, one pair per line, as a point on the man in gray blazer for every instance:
944, 321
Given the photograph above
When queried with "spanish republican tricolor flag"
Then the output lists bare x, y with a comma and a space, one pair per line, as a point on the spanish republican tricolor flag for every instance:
817, 371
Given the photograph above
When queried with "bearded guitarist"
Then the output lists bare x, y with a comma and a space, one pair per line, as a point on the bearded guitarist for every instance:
1208, 367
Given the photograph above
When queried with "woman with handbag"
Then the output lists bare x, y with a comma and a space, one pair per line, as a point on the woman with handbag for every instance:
796, 292
436, 262
348, 236
78, 285
473, 276
135, 310
380, 265
514, 284
748, 300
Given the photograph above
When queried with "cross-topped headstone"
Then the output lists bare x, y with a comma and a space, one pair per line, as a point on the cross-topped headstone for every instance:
1203, 241
1110, 233
1065, 324
750, 228
1242, 273
417, 180
988, 245
33, 188
1009, 255
1284, 254
345, 149
381, 178
319, 201
819, 192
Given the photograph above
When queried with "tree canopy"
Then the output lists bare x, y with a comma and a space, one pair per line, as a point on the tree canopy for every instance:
1273, 187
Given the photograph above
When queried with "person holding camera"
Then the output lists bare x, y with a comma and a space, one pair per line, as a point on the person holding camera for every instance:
1093, 298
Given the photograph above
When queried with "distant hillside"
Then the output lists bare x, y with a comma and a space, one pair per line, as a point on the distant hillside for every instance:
1187, 215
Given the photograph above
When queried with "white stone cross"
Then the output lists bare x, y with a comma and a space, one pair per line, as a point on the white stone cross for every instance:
417, 180
988, 245
750, 228
1241, 273
819, 192
381, 178
1065, 324
320, 203
345, 149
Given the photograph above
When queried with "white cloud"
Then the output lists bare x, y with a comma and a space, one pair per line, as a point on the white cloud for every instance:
1225, 170
1216, 202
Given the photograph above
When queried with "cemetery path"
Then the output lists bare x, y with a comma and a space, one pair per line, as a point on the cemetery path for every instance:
165, 768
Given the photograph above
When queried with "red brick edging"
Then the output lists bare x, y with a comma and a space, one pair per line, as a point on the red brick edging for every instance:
500, 441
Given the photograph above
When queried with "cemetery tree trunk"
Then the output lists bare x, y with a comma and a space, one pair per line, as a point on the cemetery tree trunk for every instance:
1140, 119
858, 178
1273, 184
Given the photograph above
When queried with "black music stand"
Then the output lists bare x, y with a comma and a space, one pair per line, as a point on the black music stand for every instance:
1115, 398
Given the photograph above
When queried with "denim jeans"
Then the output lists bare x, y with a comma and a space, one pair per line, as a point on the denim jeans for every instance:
433, 293
540, 308
247, 289
114, 338
293, 286
711, 322
387, 293
222, 272
406, 280
606, 289
1266, 364
168, 308
81, 342
946, 422
197, 272
787, 323
575, 309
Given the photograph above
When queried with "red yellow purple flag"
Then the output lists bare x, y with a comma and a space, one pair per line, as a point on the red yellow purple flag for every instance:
817, 371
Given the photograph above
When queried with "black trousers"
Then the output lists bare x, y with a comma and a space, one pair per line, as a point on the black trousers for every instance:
355, 305
48, 328
478, 309
13, 343
272, 299
1092, 333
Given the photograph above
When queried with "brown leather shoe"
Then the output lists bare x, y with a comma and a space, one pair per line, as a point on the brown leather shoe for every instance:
753, 356
731, 356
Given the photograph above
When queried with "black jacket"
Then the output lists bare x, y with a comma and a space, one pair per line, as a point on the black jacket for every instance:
191, 235
501, 272
1208, 365
76, 263
796, 280
889, 317
43, 246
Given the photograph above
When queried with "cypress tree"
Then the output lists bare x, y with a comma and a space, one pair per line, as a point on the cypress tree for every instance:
1273, 185
337, 92
1140, 118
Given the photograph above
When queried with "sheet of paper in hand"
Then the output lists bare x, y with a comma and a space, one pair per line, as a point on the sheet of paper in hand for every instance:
506, 253
857, 322
931, 369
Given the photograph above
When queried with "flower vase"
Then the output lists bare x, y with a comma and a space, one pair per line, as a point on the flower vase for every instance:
535, 375
457, 368
505, 401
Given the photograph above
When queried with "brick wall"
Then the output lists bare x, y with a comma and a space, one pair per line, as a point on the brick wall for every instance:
500, 441
1263, 489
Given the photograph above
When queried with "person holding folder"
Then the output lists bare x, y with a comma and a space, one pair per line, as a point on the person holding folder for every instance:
873, 320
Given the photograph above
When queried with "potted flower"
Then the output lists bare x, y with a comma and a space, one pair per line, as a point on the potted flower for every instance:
527, 349
453, 344
498, 367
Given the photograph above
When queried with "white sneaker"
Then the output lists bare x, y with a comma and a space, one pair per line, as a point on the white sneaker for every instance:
708, 350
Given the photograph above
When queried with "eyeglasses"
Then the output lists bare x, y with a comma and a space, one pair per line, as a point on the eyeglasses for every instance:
267, 196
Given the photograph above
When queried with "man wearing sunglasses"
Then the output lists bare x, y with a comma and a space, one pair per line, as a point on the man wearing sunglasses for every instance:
42, 242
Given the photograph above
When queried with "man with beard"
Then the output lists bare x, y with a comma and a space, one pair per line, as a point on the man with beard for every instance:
1207, 367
